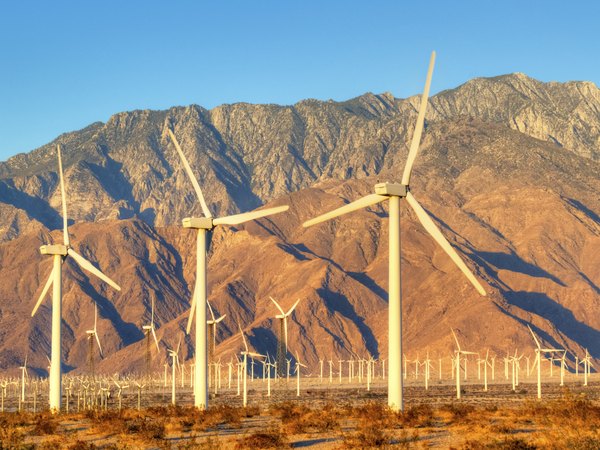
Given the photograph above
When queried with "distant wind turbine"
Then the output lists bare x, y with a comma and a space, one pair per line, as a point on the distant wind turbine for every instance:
150, 330
394, 192
204, 225
60, 252
538, 360
283, 334
458, 352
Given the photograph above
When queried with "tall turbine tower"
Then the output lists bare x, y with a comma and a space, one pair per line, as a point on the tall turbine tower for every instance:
60, 252
205, 225
394, 192
282, 345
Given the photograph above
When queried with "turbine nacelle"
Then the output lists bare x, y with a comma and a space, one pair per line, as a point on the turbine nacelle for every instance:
198, 223
389, 189
54, 249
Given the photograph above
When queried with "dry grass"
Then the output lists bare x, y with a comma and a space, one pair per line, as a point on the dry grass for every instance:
572, 422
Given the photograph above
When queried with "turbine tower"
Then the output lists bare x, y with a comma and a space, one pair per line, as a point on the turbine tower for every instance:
394, 192
60, 252
148, 330
93, 335
205, 225
282, 345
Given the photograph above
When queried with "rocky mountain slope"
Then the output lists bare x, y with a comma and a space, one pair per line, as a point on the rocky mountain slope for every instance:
523, 212
246, 154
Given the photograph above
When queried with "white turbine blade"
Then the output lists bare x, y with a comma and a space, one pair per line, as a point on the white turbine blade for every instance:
255, 355
243, 338
86, 265
178, 345
155, 340
211, 310
437, 235
99, 346
363, 202
416, 138
277, 304
95, 315
534, 337
191, 176
220, 318
44, 292
252, 215
192, 311
293, 307
152, 316
285, 332
453, 334
63, 198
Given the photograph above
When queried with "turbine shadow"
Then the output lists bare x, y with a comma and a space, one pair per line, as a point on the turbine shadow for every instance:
338, 302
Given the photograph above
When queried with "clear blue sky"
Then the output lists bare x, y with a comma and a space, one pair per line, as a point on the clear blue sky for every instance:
66, 64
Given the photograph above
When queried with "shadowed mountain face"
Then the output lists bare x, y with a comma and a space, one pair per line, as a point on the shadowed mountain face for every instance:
522, 212
246, 155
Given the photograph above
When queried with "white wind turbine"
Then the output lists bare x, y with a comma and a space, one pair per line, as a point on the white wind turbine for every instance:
246, 353
394, 192
212, 330
174, 354
204, 225
458, 352
283, 334
299, 365
60, 252
150, 329
24, 375
93, 335
538, 360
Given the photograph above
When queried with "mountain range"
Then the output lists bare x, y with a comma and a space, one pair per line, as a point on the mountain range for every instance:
509, 168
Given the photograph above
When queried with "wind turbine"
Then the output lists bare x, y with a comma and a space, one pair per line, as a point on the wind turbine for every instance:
24, 375
538, 360
298, 366
60, 252
150, 329
245, 354
212, 331
394, 192
93, 335
283, 334
458, 353
174, 354
204, 225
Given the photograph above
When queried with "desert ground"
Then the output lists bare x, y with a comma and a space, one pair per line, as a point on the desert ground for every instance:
325, 416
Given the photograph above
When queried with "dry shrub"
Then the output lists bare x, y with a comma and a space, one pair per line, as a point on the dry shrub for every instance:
418, 416
82, 445
272, 438
460, 412
366, 437
505, 444
44, 424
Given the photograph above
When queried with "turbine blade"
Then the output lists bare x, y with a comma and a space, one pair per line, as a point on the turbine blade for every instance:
363, 202
155, 340
192, 313
99, 346
252, 215
457, 344
152, 316
243, 338
277, 304
44, 292
293, 307
416, 138
178, 345
534, 337
212, 315
95, 315
63, 198
191, 176
285, 332
437, 235
220, 318
86, 265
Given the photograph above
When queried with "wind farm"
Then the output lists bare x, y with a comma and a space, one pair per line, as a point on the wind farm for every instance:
275, 291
